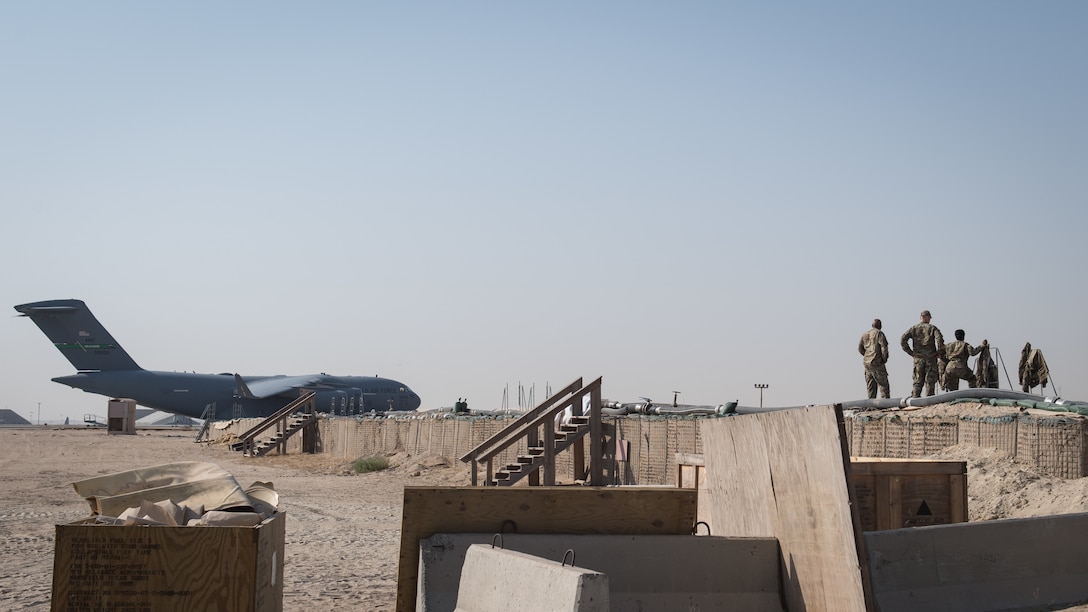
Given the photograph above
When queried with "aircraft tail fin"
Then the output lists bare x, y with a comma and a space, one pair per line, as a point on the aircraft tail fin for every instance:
241, 388
72, 328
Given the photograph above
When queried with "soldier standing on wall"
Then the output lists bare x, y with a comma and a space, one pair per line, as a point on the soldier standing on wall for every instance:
924, 342
873, 347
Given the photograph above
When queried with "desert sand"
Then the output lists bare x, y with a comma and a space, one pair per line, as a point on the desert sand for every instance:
343, 529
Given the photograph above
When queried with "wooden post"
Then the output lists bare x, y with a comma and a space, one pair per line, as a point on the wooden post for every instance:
596, 437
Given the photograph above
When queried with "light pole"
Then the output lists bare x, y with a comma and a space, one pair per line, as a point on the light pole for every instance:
761, 387
39, 413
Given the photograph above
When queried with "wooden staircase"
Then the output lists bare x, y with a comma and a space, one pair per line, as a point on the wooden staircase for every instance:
544, 439
274, 431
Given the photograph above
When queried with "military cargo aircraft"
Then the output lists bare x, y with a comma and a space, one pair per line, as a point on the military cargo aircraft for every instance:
104, 368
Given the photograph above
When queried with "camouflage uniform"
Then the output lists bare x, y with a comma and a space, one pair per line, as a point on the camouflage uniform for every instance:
957, 353
874, 347
927, 343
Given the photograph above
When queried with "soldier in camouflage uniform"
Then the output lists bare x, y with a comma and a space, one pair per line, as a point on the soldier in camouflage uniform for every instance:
873, 346
957, 353
923, 341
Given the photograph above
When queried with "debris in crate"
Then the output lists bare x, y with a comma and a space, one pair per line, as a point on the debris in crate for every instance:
191, 493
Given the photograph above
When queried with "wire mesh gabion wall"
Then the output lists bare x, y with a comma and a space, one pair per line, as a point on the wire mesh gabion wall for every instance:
641, 450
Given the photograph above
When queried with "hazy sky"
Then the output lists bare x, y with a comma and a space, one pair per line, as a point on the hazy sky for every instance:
692, 196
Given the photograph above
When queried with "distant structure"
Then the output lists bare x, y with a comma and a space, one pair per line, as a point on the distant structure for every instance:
175, 420
9, 417
144, 412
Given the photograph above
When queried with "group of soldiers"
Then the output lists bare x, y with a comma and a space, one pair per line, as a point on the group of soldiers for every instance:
933, 359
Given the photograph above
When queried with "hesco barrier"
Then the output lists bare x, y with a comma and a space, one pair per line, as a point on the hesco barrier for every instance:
1055, 445
641, 450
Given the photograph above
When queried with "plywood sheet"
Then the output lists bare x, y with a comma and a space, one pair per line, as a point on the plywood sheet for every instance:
784, 474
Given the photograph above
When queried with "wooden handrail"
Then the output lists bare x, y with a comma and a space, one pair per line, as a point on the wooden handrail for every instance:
543, 416
280, 415
546, 418
519, 423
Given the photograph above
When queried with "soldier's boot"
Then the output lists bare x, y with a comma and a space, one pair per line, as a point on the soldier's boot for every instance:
972, 382
931, 389
917, 391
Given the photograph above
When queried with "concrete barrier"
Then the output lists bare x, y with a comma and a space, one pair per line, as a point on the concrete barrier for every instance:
647, 573
1010, 564
497, 580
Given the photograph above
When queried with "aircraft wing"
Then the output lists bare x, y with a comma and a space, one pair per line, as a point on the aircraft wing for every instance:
267, 387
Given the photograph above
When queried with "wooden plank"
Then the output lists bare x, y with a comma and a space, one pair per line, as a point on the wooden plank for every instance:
269, 564
874, 465
868, 499
689, 459
895, 500
958, 505
105, 567
537, 510
881, 503
784, 474
596, 437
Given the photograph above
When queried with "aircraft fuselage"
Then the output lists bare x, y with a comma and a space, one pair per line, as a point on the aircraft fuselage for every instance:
188, 393
105, 368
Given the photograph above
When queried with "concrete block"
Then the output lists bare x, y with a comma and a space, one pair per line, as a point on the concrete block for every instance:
991, 565
497, 580
647, 573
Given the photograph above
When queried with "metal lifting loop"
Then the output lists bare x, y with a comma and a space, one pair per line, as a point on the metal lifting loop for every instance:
695, 529
569, 553
502, 528
498, 536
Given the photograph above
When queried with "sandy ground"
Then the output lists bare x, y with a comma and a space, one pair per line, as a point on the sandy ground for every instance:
343, 529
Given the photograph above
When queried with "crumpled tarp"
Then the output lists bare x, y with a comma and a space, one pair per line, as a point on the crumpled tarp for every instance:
192, 484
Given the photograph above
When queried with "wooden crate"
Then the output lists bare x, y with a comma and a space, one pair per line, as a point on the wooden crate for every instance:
690, 471
888, 493
104, 567
533, 510
897, 493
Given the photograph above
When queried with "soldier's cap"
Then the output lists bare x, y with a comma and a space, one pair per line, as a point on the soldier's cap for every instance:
925, 313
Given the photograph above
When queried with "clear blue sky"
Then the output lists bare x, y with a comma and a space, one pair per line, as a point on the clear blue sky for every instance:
690, 196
